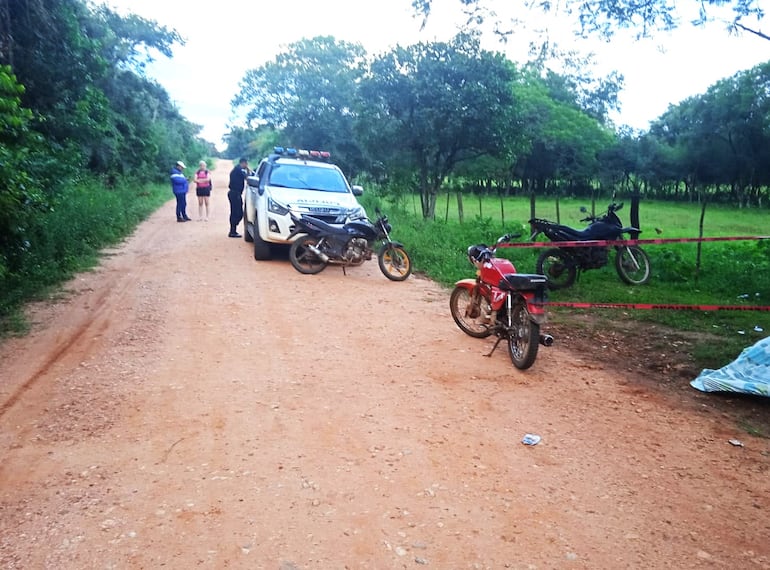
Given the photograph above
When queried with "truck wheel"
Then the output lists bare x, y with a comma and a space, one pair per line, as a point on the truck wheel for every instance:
261, 247
247, 235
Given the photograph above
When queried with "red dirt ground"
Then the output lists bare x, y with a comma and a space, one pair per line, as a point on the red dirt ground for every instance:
185, 406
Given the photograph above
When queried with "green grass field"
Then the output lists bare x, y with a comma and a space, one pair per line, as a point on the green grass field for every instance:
674, 219
730, 273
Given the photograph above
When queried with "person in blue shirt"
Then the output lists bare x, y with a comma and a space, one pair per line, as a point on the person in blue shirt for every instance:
179, 185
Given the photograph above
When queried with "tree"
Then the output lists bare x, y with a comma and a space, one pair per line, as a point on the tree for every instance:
604, 17
19, 191
308, 93
721, 137
595, 97
564, 142
82, 72
129, 42
427, 107
251, 143
76, 115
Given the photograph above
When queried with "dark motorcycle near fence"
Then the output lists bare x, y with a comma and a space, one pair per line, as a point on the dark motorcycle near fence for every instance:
347, 245
502, 302
561, 265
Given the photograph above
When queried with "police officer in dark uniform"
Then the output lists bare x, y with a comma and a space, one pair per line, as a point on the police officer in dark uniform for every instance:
238, 177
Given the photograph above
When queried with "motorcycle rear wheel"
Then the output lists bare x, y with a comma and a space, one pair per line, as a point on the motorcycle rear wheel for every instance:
302, 257
558, 267
523, 337
632, 265
394, 262
472, 316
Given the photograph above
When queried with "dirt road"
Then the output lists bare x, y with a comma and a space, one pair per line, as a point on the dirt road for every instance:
185, 406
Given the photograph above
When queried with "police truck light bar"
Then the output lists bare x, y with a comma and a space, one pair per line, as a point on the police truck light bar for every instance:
302, 153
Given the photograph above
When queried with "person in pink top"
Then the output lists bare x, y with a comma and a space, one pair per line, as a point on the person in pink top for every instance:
203, 189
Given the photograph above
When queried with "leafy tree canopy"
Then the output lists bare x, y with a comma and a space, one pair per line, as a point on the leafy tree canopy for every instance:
433, 105
308, 92
723, 135
643, 17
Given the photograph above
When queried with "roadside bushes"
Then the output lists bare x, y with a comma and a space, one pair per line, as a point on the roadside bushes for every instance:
19, 190
66, 237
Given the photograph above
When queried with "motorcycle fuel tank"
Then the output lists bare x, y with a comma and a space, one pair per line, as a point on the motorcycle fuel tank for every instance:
602, 230
362, 228
492, 271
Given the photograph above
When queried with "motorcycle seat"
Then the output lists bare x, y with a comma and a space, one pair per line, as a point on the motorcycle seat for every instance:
598, 230
577, 235
522, 282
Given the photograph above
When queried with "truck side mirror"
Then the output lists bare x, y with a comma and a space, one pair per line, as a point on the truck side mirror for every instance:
357, 190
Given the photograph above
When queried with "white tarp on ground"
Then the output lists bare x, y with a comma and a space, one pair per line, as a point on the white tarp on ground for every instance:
747, 374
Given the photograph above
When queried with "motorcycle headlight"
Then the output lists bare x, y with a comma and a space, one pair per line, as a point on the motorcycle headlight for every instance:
276, 208
357, 213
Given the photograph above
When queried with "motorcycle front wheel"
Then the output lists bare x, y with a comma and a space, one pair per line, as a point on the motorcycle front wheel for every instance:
632, 264
302, 257
523, 337
394, 262
558, 267
471, 315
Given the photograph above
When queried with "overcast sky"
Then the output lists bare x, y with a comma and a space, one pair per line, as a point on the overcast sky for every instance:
229, 37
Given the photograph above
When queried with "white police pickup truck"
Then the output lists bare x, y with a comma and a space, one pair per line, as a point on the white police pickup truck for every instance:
298, 181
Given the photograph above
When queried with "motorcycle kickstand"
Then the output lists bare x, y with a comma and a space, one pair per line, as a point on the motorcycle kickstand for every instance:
499, 338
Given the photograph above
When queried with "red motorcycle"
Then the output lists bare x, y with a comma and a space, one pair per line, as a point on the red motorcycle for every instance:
502, 302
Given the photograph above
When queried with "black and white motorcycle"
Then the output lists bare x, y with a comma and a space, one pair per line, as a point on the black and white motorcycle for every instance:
347, 245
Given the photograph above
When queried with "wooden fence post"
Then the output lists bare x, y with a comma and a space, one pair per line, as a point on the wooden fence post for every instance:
635, 198
700, 235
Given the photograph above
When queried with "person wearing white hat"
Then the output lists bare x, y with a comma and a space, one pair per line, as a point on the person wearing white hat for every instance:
179, 185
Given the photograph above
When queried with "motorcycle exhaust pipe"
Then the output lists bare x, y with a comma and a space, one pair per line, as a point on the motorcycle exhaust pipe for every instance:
319, 253
546, 340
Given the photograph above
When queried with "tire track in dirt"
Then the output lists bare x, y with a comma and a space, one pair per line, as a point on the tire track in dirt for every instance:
87, 318
54, 356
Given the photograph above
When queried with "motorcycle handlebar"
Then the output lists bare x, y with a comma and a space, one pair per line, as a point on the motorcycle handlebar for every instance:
614, 207
507, 237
